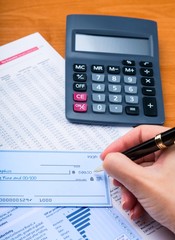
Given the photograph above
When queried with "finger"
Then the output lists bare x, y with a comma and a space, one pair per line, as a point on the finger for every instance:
134, 137
123, 169
128, 199
137, 211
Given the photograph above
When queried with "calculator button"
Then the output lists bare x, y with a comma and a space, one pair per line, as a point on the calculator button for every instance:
113, 88
80, 77
98, 87
130, 79
98, 108
97, 68
114, 78
146, 72
128, 62
148, 91
115, 108
131, 99
147, 81
146, 64
115, 98
132, 110
130, 89
113, 69
150, 106
80, 87
80, 107
79, 67
80, 97
129, 70
98, 77
98, 97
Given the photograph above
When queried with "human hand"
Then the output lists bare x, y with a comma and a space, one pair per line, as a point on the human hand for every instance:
147, 185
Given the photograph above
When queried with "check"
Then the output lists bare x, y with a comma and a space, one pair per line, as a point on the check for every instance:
52, 178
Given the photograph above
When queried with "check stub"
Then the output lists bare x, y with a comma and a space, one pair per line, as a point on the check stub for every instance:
52, 178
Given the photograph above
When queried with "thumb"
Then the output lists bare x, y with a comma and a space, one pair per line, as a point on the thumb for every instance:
121, 168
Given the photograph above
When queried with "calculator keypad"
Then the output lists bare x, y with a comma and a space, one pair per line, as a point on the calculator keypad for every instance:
127, 88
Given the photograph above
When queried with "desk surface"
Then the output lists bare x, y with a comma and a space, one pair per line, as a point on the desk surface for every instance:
48, 17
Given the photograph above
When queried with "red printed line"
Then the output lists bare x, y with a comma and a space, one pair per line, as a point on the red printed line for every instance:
18, 55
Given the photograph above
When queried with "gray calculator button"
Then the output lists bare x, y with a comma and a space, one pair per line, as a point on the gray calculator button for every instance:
98, 97
98, 77
98, 87
115, 108
130, 89
130, 79
99, 108
114, 88
131, 99
114, 78
115, 98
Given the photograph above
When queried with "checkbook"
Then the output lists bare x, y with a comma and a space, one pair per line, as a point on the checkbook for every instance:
52, 178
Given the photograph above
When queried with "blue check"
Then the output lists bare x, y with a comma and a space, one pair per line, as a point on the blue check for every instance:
52, 178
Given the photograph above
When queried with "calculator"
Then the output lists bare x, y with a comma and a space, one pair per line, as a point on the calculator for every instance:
112, 71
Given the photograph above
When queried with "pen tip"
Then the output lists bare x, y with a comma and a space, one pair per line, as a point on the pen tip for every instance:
99, 169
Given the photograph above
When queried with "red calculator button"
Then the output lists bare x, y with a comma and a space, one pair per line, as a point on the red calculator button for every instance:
80, 107
80, 97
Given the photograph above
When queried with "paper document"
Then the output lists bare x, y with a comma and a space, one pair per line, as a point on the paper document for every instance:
32, 117
52, 178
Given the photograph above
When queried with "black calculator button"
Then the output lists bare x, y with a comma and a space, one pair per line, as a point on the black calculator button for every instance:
146, 64
148, 91
146, 72
79, 67
80, 77
132, 110
97, 68
113, 69
129, 70
150, 106
128, 62
80, 87
147, 81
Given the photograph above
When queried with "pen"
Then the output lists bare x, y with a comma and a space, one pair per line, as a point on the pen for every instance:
159, 142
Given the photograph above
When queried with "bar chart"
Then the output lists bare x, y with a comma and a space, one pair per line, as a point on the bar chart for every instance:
84, 223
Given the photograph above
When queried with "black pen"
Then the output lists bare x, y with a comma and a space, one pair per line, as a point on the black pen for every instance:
159, 142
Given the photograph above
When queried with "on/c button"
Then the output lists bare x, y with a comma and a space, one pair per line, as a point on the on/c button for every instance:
80, 107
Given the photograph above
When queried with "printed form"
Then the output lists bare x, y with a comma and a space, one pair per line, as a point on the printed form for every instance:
32, 118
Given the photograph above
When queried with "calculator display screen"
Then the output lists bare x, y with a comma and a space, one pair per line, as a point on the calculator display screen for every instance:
110, 44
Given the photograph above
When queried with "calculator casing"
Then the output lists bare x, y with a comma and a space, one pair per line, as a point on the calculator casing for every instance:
99, 25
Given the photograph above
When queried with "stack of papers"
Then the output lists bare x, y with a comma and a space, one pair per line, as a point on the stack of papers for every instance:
32, 119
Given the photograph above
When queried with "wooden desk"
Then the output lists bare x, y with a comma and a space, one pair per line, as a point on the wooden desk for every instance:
22, 17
